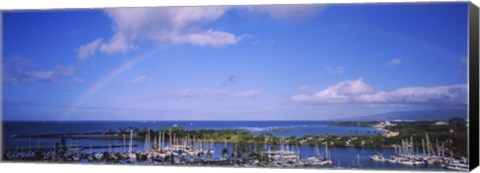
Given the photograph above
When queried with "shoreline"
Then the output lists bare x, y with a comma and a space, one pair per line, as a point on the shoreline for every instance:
388, 133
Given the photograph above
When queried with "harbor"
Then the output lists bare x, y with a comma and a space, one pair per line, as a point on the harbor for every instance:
429, 154
178, 146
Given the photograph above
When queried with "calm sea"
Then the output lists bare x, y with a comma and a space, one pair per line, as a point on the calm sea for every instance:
285, 128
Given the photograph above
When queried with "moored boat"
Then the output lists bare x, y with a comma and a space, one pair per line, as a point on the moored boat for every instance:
378, 158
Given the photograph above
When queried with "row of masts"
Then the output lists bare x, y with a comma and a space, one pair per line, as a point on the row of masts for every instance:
429, 149
160, 143
319, 154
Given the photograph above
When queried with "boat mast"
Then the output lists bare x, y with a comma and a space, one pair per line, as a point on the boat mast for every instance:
159, 140
428, 145
170, 138
438, 149
412, 149
145, 143
423, 147
443, 150
326, 150
130, 143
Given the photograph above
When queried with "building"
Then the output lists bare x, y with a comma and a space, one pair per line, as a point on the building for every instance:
441, 123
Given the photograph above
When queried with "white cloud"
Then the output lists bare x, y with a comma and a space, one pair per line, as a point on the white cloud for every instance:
16, 70
335, 70
138, 79
70, 70
210, 38
89, 49
394, 62
118, 43
358, 91
176, 25
287, 12
41, 75
172, 25
245, 94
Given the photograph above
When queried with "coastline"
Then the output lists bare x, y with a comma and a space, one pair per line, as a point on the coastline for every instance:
388, 133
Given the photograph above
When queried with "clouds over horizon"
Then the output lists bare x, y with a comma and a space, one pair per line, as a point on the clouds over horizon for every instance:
357, 91
17, 70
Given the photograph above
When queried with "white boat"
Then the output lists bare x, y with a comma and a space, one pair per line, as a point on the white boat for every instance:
315, 161
392, 159
406, 162
378, 158
326, 162
418, 162
76, 157
458, 167
91, 157
98, 156
132, 156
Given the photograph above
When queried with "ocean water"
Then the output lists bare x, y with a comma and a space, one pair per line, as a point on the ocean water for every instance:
342, 156
285, 128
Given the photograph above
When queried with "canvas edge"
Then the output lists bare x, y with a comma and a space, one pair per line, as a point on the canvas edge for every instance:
473, 113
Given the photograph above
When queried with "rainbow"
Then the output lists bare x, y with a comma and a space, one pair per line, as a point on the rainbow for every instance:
105, 79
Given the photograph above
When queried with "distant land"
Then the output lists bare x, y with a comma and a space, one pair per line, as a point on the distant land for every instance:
416, 115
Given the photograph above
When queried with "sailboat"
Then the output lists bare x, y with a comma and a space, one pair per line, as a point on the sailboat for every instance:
317, 160
378, 158
131, 155
393, 159
327, 160
457, 165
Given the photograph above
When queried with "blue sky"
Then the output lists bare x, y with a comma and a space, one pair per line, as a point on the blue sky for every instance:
303, 62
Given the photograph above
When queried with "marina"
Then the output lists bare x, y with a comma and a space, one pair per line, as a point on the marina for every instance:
177, 146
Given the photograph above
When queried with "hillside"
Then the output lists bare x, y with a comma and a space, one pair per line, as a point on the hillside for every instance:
422, 115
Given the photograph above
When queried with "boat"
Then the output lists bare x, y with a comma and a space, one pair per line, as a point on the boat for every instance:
457, 165
98, 156
76, 157
378, 158
131, 155
418, 162
406, 162
91, 158
392, 159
